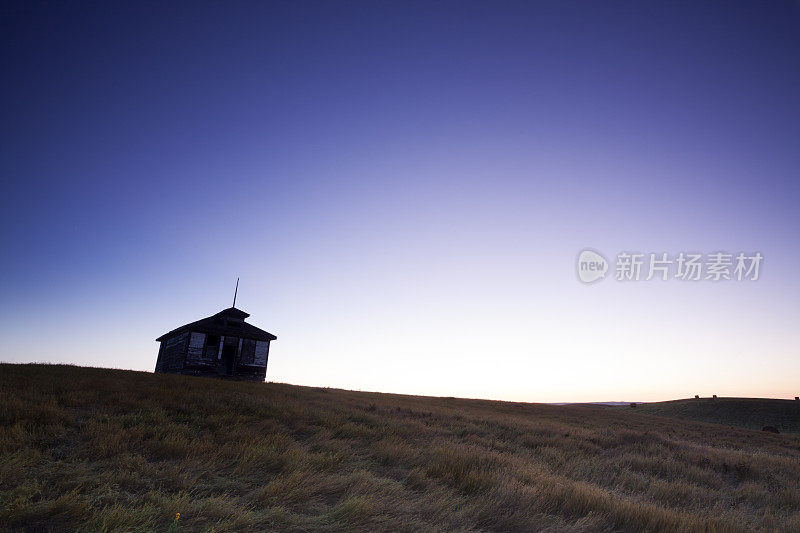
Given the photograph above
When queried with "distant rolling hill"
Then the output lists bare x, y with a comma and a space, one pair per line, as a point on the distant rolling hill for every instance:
87, 449
752, 413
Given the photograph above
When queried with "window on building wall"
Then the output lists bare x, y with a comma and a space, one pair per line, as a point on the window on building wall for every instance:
212, 347
196, 342
248, 351
262, 350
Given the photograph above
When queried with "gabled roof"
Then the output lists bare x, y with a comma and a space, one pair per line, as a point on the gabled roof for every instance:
229, 322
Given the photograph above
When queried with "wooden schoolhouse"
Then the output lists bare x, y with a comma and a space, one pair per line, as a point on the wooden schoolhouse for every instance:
222, 345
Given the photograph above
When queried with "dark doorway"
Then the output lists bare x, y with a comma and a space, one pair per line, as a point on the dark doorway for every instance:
228, 358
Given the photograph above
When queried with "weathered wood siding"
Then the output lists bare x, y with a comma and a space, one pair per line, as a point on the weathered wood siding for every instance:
172, 354
252, 361
202, 359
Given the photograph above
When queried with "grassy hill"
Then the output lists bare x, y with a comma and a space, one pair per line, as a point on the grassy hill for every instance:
93, 449
753, 413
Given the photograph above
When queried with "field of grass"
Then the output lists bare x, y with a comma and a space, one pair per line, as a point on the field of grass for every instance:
93, 449
753, 413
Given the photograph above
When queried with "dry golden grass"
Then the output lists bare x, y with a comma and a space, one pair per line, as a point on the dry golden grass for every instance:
753, 413
96, 450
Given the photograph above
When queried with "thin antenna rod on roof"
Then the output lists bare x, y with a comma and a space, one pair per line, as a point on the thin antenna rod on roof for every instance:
235, 292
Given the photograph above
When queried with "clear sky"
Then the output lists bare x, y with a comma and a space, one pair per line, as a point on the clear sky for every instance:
404, 187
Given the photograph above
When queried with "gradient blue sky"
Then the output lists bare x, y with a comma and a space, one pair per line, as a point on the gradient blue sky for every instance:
403, 188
